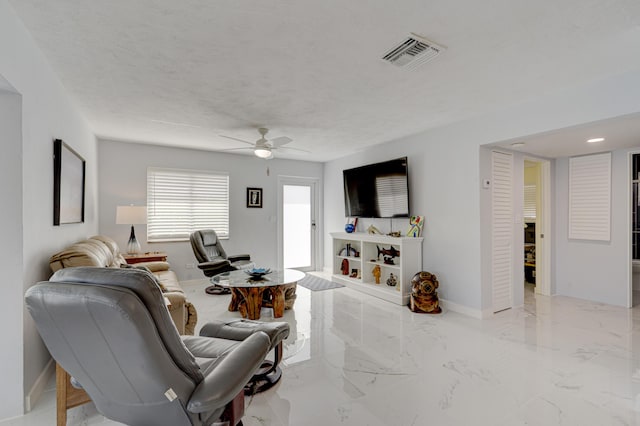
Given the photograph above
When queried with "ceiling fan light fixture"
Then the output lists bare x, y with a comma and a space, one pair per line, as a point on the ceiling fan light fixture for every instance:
262, 152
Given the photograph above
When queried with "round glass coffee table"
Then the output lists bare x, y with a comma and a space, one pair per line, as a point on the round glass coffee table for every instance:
276, 290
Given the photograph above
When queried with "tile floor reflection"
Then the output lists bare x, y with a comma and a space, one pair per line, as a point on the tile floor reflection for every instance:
352, 359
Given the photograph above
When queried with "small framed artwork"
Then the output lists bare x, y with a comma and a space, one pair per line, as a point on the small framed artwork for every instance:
254, 197
68, 184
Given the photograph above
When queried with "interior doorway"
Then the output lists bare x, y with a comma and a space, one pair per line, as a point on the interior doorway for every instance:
297, 216
536, 219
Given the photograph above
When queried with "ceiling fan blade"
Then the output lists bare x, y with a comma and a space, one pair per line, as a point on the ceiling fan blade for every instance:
235, 149
293, 149
236, 139
282, 140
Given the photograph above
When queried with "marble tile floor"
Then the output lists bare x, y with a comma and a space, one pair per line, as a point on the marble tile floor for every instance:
352, 359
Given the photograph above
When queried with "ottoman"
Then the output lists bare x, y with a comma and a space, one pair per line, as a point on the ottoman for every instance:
239, 329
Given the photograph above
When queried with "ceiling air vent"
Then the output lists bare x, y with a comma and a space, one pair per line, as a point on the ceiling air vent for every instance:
413, 52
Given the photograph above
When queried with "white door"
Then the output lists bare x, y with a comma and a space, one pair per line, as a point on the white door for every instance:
502, 230
297, 219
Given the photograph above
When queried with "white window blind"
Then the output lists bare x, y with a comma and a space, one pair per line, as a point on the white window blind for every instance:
590, 197
530, 202
182, 201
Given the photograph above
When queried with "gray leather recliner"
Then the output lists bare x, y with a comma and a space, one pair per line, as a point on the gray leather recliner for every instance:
213, 260
109, 328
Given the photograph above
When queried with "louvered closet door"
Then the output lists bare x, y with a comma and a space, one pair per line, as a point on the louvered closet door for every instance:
502, 229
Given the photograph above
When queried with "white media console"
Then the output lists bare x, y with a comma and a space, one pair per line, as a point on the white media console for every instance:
364, 256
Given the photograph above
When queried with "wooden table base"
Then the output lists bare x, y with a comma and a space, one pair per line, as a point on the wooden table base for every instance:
249, 300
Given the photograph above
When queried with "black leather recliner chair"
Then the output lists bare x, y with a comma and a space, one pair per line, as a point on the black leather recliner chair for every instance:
212, 258
102, 324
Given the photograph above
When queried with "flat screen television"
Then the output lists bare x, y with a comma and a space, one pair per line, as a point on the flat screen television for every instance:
378, 190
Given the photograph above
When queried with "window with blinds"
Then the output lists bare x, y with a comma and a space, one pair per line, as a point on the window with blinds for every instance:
590, 197
182, 201
530, 203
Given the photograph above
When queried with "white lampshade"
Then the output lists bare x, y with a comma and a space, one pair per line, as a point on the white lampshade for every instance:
131, 215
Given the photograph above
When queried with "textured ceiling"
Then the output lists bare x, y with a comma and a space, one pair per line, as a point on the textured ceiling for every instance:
184, 72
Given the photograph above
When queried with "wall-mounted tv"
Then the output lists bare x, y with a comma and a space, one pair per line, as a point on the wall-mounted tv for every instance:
377, 190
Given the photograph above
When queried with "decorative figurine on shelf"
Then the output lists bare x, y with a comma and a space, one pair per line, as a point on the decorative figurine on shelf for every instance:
388, 254
354, 273
349, 251
373, 230
415, 226
424, 297
345, 267
351, 225
392, 281
376, 273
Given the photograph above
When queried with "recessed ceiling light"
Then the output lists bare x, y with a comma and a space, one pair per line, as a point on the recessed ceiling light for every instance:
518, 144
594, 140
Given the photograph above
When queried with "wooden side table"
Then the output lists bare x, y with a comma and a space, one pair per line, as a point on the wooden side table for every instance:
247, 295
153, 256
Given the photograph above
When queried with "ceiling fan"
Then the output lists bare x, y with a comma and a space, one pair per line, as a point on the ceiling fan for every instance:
264, 147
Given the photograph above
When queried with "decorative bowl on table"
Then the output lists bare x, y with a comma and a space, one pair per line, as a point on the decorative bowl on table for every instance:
257, 273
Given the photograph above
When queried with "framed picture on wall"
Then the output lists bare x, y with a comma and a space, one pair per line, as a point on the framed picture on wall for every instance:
254, 197
68, 184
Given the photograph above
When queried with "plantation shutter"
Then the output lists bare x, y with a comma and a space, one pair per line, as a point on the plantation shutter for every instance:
590, 197
530, 202
180, 202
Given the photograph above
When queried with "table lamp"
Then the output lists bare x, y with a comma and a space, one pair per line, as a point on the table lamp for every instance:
131, 215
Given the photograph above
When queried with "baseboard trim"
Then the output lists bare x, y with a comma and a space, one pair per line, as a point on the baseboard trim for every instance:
38, 387
465, 310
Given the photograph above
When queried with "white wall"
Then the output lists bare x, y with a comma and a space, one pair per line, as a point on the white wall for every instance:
443, 186
595, 270
531, 175
123, 180
445, 179
47, 113
11, 361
